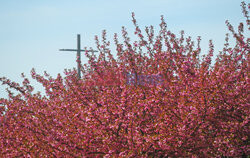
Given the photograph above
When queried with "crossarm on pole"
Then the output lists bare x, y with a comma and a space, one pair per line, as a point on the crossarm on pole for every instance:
75, 50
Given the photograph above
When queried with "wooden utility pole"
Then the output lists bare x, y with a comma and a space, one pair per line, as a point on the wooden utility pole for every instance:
78, 54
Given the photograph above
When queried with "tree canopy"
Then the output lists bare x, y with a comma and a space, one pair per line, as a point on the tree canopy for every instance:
200, 108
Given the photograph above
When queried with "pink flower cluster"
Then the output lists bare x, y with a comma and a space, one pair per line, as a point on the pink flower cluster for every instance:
138, 79
201, 110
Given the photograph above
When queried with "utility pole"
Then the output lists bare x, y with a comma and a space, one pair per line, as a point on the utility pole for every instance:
78, 54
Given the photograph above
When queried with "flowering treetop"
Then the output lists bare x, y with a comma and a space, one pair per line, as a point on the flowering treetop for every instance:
200, 110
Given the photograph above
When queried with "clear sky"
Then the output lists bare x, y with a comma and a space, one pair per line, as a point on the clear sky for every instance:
32, 31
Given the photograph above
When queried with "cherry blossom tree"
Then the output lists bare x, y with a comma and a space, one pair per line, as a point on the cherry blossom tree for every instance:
200, 109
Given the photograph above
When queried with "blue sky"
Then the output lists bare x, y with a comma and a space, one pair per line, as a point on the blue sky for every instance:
31, 32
